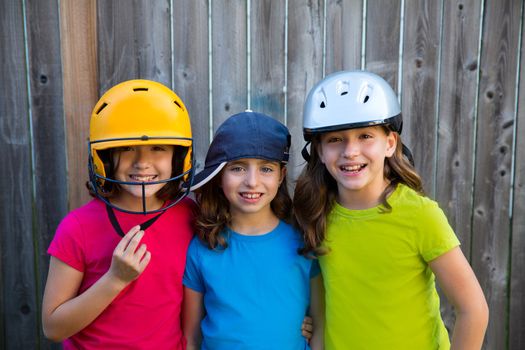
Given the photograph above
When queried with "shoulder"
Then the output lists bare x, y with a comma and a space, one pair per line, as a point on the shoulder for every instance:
87, 213
414, 202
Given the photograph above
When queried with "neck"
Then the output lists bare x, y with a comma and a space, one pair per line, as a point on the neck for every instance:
132, 203
254, 225
360, 200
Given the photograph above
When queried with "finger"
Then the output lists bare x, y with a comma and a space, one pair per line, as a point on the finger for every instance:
145, 261
121, 246
133, 244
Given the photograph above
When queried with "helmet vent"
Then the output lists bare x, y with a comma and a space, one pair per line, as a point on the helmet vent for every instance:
322, 105
178, 104
104, 105
366, 99
344, 93
140, 89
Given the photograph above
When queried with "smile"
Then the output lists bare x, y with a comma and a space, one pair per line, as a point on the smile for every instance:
143, 178
352, 168
251, 195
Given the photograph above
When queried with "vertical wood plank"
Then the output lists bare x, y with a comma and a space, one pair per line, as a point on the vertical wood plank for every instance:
422, 30
18, 316
191, 74
305, 69
133, 41
517, 277
457, 91
491, 224
267, 57
382, 39
344, 27
229, 54
48, 135
79, 67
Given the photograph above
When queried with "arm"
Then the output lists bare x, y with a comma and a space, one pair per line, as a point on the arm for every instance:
458, 282
65, 313
317, 312
192, 315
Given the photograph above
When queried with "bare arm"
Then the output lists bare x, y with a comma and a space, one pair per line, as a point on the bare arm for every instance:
459, 283
65, 313
317, 312
192, 315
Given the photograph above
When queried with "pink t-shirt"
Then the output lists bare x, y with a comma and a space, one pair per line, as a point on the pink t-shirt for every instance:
145, 315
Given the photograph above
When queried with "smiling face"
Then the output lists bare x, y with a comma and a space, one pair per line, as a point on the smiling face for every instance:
355, 158
142, 164
250, 185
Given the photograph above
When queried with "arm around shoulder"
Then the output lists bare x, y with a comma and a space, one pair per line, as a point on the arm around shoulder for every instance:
317, 312
192, 315
460, 285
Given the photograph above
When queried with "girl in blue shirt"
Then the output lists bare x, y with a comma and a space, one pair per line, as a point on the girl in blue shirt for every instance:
246, 286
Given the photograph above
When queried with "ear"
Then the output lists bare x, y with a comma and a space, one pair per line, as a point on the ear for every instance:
283, 174
391, 143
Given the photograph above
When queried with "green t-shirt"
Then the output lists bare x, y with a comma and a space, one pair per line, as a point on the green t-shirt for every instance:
380, 291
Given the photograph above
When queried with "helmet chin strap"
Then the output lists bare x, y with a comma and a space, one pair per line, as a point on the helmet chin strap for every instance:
304, 152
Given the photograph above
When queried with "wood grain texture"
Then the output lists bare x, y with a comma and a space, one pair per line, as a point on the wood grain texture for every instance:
420, 65
344, 27
382, 39
18, 308
267, 57
496, 118
305, 69
517, 276
48, 135
133, 41
457, 128
229, 59
79, 69
190, 65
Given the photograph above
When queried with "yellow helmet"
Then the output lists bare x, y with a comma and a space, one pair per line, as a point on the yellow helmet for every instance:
137, 112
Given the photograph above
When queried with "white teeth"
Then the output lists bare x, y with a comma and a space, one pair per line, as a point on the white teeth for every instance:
251, 195
352, 167
143, 178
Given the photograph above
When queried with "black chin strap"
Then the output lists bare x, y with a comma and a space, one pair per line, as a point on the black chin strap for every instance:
114, 222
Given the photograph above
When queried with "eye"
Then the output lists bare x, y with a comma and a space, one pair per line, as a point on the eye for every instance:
235, 168
267, 169
158, 148
333, 139
124, 149
366, 136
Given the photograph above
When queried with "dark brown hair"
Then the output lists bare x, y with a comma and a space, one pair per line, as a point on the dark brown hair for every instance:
214, 215
316, 192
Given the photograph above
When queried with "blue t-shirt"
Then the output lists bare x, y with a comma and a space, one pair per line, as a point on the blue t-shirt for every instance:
256, 291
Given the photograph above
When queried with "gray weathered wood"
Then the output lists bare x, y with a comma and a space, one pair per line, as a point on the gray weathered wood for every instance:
79, 68
133, 41
305, 69
517, 275
190, 65
491, 224
18, 308
382, 39
267, 57
47, 126
457, 98
344, 27
422, 29
229, 53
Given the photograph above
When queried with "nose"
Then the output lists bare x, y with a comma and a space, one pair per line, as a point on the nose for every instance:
141, 160
350, 149
251, 178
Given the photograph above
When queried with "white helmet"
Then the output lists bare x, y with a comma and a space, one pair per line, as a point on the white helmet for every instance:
348, 100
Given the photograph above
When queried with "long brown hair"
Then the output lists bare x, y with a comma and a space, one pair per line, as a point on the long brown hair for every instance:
215, 216
316, 193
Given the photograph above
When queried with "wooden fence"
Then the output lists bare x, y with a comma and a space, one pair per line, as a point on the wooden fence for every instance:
457, 66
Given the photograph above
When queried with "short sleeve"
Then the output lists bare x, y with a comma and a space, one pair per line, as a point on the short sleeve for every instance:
436, 236
67, 243
192, 273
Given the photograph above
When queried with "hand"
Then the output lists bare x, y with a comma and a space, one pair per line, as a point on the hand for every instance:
307, 328
128, 261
